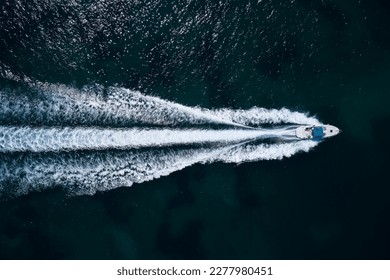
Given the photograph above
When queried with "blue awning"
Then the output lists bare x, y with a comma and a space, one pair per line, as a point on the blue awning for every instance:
318, 132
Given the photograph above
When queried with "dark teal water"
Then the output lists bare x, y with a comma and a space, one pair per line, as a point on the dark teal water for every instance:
330, 58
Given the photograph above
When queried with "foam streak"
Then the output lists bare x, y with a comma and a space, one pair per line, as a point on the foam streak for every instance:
96, 139
22, 139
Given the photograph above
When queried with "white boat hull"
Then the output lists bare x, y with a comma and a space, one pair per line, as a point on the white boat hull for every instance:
316, 132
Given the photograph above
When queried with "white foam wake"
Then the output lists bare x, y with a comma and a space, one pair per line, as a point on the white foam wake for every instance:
104, 138
22, 139
255, 152
258, 116
101, 171
48, 104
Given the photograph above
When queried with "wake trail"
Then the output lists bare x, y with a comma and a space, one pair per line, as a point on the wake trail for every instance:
96, 138
51, 105
80, 174
22, 139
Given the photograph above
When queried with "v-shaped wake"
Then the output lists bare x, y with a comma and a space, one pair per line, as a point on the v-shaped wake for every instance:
104, 138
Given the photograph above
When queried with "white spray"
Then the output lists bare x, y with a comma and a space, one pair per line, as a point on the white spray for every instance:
107, 138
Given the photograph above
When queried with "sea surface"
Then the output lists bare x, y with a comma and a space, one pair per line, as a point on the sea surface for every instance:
329, 59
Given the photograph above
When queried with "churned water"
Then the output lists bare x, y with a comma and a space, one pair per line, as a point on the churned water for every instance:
190, 100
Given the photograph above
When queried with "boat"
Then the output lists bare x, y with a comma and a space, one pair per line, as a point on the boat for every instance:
316, 132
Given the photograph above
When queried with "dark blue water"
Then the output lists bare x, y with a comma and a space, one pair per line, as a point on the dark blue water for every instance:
330, 58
